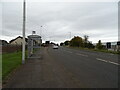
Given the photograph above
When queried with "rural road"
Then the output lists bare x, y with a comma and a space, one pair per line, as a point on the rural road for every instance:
67, 68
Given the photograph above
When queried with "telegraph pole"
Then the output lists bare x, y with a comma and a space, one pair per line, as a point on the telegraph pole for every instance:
23, 44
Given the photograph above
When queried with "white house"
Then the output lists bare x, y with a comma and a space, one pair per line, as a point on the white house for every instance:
17, 41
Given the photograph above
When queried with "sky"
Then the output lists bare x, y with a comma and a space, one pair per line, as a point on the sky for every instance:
61, 21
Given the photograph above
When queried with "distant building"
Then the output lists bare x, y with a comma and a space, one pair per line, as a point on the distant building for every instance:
3, 42
47, 42
17, 41
113, 46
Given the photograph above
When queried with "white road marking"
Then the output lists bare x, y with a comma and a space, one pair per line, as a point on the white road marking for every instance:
114, 63
101, 60
107, 61
82, 54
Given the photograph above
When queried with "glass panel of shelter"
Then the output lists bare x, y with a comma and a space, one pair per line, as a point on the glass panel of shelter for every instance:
34, 41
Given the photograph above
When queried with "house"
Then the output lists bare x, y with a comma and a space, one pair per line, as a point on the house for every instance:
17, 41
3, 42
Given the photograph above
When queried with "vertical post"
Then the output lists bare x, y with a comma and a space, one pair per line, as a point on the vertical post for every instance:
28, 46
41, 31
23, 45
32, 43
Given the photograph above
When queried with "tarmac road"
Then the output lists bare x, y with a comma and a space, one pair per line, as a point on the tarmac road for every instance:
67, 68
93, 69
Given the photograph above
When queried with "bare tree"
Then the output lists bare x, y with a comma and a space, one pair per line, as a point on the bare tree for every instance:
86, 38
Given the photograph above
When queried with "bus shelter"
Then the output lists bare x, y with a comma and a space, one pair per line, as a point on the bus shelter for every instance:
34, 42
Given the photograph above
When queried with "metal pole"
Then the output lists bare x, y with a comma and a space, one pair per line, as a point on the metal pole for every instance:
23, 45
41, 31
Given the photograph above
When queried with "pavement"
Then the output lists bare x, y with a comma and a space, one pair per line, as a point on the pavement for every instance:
67, 68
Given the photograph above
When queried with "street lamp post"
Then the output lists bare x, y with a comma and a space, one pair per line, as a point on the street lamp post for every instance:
23, 44
41, 31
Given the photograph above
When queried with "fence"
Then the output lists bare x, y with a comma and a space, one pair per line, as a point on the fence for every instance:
11, 48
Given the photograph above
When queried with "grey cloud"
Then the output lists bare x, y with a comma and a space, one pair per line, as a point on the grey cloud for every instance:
57, 19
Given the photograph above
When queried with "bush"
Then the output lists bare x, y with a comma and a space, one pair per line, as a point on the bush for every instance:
99, 45
76, 42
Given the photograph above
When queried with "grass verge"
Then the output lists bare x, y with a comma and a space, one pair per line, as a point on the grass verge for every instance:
10, 61
97, 50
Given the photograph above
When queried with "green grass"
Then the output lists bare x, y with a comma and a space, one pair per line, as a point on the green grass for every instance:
97, 50
10, 61
106, 51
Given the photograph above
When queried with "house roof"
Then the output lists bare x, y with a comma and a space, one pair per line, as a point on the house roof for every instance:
3, 42
17, 38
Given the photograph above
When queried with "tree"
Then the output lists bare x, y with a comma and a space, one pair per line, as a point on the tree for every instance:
90, 45
61, 44
86, 38
66, 43
99, 45
76, 42
85, 41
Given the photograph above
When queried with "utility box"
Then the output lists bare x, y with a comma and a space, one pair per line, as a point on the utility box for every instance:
34, 42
